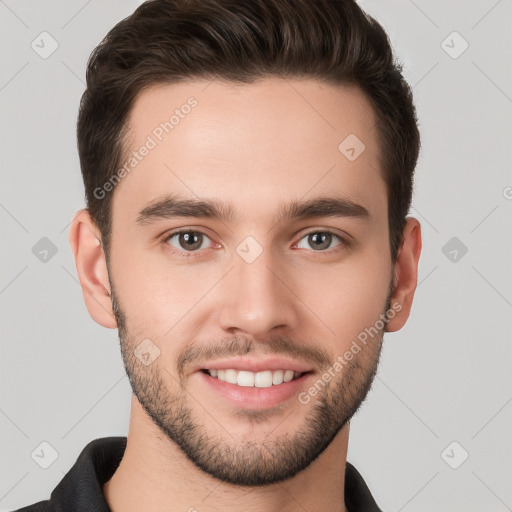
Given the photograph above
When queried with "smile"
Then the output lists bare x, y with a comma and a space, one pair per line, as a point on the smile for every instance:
263, 379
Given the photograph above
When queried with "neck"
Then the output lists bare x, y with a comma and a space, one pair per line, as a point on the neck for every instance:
155, 473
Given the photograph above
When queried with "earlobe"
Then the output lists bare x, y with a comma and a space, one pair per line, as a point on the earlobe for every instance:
406, 275
91, 265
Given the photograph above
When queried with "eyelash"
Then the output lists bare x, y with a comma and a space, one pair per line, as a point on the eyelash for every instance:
344, 243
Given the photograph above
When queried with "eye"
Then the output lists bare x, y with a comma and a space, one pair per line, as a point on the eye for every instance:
187, 240
321, 240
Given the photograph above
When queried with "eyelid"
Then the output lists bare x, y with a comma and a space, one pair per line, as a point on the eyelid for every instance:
341, 235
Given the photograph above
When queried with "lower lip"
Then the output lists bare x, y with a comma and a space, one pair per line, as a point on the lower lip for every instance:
248, 397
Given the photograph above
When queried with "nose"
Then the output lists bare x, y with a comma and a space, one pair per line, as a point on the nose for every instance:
257, 298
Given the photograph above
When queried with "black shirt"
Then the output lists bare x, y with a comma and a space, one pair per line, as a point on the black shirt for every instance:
81, 489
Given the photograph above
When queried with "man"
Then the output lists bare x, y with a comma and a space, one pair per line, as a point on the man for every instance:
248, 169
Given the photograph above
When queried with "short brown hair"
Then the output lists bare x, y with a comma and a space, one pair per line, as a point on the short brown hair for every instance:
166, 41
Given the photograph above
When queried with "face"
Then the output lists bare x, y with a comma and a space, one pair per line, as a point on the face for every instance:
247, 249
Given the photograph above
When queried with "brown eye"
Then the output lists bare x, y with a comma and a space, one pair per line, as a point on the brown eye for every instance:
320, 240
187, 240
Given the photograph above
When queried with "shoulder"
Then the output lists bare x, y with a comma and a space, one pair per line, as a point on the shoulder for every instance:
358, 497
40, 506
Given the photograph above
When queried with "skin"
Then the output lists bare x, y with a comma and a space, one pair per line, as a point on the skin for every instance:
253, 146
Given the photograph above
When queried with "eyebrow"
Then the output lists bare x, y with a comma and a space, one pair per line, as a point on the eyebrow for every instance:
174, 206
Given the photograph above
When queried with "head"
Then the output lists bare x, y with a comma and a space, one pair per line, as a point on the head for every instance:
248, 169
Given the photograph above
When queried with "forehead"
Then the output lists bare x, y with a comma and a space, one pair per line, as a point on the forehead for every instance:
252, 145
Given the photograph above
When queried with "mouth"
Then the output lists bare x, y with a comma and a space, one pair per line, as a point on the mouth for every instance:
261, 379
254, 382
256, 390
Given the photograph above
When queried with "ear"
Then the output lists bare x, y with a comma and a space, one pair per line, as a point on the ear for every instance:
406, 274
91, 265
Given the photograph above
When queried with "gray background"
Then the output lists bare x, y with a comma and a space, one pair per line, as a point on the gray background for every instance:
444, 377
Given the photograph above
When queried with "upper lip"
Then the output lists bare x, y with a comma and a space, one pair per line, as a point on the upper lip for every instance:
255, 365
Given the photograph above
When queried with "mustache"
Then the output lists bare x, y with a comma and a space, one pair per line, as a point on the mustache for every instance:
239, 346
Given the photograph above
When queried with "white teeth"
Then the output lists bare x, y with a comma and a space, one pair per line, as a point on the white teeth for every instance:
277, 377
230, 376
264, 379
245, 378
288, 375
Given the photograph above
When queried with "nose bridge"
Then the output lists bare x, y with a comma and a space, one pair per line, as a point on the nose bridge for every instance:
255, 299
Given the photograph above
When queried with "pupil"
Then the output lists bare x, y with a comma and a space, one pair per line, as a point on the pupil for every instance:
323, 237
191, 239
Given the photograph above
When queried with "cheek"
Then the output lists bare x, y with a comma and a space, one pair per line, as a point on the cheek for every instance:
141, 290
351, 297
156, 295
